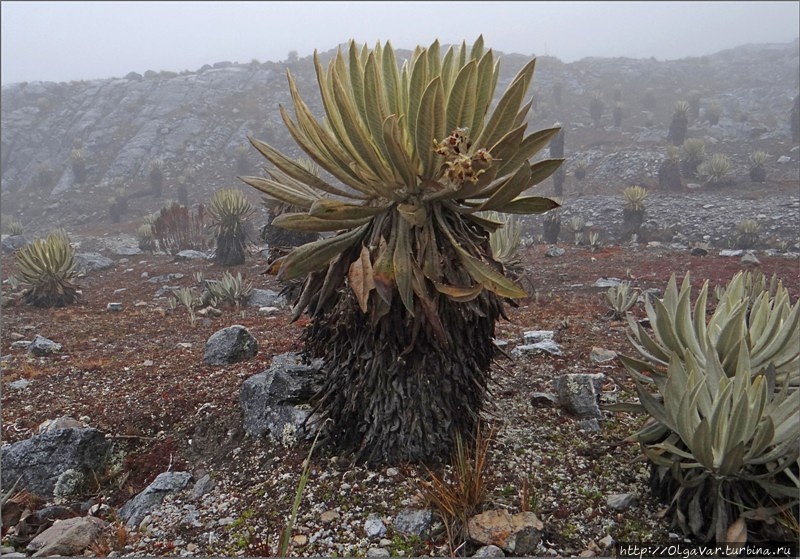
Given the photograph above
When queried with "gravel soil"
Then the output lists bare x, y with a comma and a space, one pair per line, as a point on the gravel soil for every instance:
138, 375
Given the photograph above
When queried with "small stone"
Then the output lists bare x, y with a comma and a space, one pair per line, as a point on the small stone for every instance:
601, 355
267, 311
536, 336
606, 542
300, 540
147, 363
544, 400
620, 501
554, 252
607, 282
392, 472
329, 516
587, 553
731, 252
378, 552
385, 542
19, 384
749, 259
374, 527
489, 551
590, 425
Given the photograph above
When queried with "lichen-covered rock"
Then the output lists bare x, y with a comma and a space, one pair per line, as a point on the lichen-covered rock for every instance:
40, 461
230, 345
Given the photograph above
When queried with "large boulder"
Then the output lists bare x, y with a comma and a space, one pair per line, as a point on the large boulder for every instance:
92, 261
274, 401
39, 462
230, 345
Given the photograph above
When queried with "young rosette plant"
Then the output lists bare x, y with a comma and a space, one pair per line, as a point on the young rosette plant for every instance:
404, 293
723, 434
47, 266
229, 211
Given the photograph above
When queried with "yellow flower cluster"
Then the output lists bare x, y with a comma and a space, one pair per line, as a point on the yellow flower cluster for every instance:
459, 165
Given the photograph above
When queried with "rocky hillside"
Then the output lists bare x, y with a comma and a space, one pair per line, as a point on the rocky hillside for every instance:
69, 150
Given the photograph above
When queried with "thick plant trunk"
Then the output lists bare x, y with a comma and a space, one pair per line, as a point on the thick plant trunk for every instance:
392, 391
631, 222
230, 250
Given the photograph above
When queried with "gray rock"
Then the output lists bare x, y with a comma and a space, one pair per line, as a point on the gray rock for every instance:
114, 307
554, 252
41, 346
620, 501
265, 298
13, 243
378, 552
601, 355
166, 278
749, 259
374, 526
729, 252
489, 551
590, 425
204, 485
607, 282
63, 422
413, 521
137, 508
536, 336
543, 400
230, 345
92, 261
270, 400
20, 384
579, 394
191, 255
42, 459
546, 346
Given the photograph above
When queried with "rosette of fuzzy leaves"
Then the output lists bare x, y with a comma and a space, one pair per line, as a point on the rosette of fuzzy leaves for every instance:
48, 267
229, 210
723, 437
416, 153
403, 290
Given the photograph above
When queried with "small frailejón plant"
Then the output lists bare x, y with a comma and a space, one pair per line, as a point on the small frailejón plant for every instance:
581, 167
552, 226
714, 171
713, 113
156, 176
679, 124
693, 153
620, 299
578, 227
47, 267
669, 172
634, 211
756, 166
723, 399
405, 294
229, 289
13, 226
747, 233
229, 211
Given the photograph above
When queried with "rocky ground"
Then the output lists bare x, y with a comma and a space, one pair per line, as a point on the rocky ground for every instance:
138, 376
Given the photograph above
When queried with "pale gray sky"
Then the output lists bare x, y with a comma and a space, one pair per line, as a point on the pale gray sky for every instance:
62, 41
